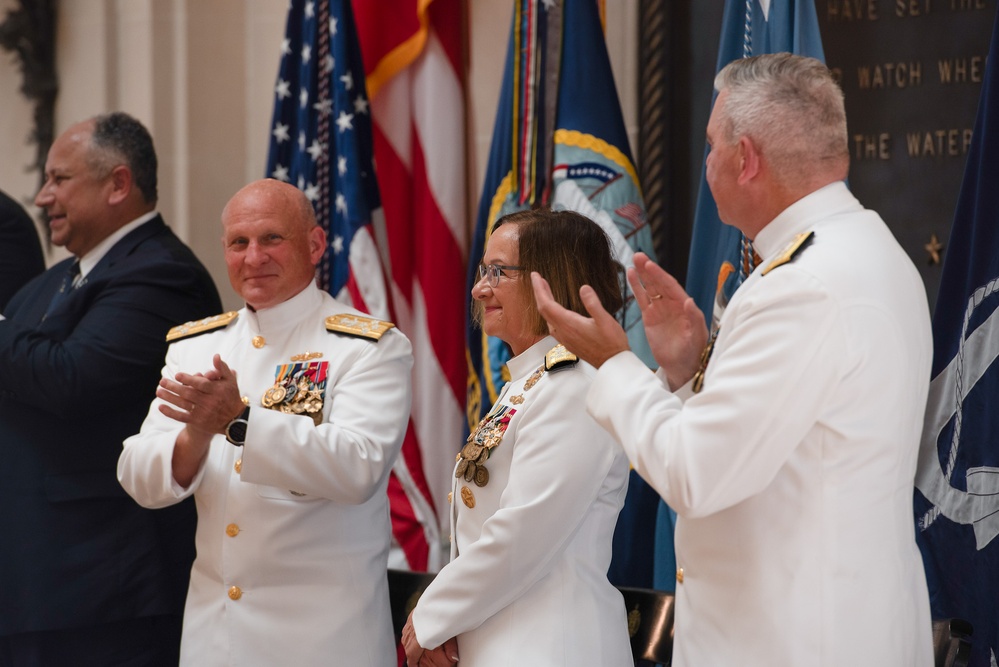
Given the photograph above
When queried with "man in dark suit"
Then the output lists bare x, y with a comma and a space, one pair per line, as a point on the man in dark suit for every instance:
87, 577
20, 252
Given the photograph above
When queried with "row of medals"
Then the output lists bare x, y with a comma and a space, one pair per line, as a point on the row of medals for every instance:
295, 399
489, 433
472, 461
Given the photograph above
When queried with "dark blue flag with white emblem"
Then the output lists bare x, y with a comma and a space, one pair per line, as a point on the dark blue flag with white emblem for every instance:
957, 498
321, 129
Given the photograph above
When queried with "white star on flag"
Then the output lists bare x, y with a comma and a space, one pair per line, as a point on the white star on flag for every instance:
328, 63
341, 165
283, 89
341, 203
285, 46
306, 53
344, 121
348, 81
312, 192
303, 97
337, 244
281, 133
280, 173
360, 104
324, 107
310, 10
332, 26
316, 150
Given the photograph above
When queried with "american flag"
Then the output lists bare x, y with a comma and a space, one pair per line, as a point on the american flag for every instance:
321, 140
321, 133
415, 68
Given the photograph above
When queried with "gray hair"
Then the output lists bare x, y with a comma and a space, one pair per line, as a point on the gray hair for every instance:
792, 109
120, 139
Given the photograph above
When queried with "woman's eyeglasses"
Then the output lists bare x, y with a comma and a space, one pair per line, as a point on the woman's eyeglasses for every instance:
492, 272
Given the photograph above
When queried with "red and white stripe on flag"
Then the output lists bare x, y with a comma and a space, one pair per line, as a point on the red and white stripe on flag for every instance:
412, 51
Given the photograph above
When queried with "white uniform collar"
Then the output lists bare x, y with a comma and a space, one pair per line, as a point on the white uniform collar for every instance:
529, 360
832, 199
286, 314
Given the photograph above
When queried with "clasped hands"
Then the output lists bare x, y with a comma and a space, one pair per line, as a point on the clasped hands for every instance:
204, 402
445, 655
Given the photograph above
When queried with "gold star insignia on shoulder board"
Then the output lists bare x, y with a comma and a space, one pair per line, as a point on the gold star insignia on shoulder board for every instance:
358, 325
196, 327
559, 357
793, 249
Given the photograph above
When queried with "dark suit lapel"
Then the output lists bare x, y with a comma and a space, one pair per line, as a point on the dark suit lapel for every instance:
32, 310
33, 299
128, 243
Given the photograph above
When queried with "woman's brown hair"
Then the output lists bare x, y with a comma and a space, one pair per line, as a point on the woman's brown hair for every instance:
568, 250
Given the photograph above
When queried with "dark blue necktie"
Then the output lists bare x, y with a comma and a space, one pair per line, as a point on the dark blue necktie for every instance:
65, 287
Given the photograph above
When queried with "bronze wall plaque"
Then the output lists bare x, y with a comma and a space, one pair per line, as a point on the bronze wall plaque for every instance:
911, 72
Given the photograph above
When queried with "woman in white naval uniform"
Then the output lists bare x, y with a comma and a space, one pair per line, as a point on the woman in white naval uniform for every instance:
538, 486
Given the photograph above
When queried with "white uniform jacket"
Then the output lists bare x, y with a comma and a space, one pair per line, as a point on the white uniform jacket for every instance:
527, 582
293, 528
792, 470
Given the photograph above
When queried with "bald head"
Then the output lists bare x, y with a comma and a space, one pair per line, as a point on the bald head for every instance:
272, 242
273, 195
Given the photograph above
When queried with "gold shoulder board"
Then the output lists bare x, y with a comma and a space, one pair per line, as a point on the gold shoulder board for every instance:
793, 249
196, 327
559, 357
358, 325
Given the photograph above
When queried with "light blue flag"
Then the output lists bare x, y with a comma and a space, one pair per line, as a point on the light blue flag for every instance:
749, 28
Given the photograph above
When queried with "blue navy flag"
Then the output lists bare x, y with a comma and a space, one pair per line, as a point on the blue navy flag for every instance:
957, 481
559, 139
321, 129
749, 28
